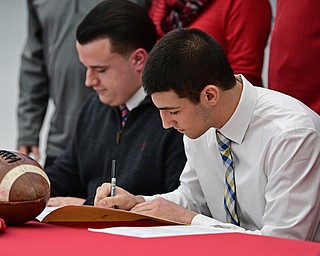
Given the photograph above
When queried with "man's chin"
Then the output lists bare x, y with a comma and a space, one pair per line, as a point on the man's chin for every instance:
106, 101
191, 136
184, 132
180, 130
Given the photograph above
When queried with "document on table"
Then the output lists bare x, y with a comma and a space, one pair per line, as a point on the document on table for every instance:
45, 212
162, 231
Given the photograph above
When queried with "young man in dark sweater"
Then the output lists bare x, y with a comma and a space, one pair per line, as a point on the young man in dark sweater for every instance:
113, 42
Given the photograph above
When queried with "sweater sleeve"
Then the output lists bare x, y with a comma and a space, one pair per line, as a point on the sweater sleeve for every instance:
175, 159
64, 175
246, 36
34, 95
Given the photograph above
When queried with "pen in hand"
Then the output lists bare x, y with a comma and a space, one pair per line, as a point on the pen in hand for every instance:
113, 178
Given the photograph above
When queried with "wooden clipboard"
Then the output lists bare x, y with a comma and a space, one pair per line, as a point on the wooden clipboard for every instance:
98, 217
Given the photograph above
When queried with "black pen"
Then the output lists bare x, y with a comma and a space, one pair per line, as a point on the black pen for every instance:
113, 178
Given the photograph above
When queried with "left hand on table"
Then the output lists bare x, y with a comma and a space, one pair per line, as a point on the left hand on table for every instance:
162, 208
63, 201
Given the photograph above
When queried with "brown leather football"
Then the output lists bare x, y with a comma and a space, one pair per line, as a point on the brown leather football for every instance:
24, 188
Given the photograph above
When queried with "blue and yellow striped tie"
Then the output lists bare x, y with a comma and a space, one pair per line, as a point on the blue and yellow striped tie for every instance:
230, 188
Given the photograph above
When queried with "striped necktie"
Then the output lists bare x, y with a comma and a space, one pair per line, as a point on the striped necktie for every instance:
124, 114
230, 188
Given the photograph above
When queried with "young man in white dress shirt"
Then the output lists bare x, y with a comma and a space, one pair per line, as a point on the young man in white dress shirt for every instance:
275, 145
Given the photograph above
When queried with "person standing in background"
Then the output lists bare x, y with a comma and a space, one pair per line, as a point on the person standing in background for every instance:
50, 69
295, 51
241, 27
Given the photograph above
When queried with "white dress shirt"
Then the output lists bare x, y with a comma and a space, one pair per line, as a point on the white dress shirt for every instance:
136, 99
276, 152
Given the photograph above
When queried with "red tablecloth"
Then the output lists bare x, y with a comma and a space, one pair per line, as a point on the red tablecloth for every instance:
44, 239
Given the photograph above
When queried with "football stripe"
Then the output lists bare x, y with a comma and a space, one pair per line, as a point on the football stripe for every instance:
13, 175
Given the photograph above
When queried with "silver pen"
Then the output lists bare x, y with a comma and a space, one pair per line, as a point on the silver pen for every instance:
113, 178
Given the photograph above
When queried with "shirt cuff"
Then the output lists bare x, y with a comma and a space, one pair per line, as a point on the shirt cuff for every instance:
203, 220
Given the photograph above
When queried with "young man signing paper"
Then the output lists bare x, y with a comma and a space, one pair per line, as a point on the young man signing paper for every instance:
253, 154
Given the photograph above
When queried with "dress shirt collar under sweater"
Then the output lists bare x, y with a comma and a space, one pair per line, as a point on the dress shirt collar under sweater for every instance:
136, 99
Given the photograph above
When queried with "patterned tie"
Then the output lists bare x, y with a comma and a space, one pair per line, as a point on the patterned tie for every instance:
230, 188
124, 114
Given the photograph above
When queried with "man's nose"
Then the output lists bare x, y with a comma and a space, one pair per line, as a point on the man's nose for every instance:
167, 121
91, 79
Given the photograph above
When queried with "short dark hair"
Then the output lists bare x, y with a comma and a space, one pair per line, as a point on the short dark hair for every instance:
185, 61
125, 24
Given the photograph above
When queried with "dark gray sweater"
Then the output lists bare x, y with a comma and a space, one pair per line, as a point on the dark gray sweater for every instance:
149, 158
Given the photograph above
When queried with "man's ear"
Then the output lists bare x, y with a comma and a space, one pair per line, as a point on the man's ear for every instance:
210, 95
139, 58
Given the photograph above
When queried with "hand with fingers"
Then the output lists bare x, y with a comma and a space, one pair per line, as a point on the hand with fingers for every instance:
63, 201
165, 209
33, 150
158, 207
123, 199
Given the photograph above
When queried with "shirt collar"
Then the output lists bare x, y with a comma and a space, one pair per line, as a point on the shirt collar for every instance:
237, 125
136, 99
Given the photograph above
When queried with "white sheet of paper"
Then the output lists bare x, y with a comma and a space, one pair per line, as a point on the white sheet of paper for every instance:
45, 212
161, 231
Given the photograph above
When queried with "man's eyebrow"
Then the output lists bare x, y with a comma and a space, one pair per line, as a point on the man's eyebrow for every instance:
98, 66
168, 108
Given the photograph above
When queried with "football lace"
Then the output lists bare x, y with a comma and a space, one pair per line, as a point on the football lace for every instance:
9, 156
